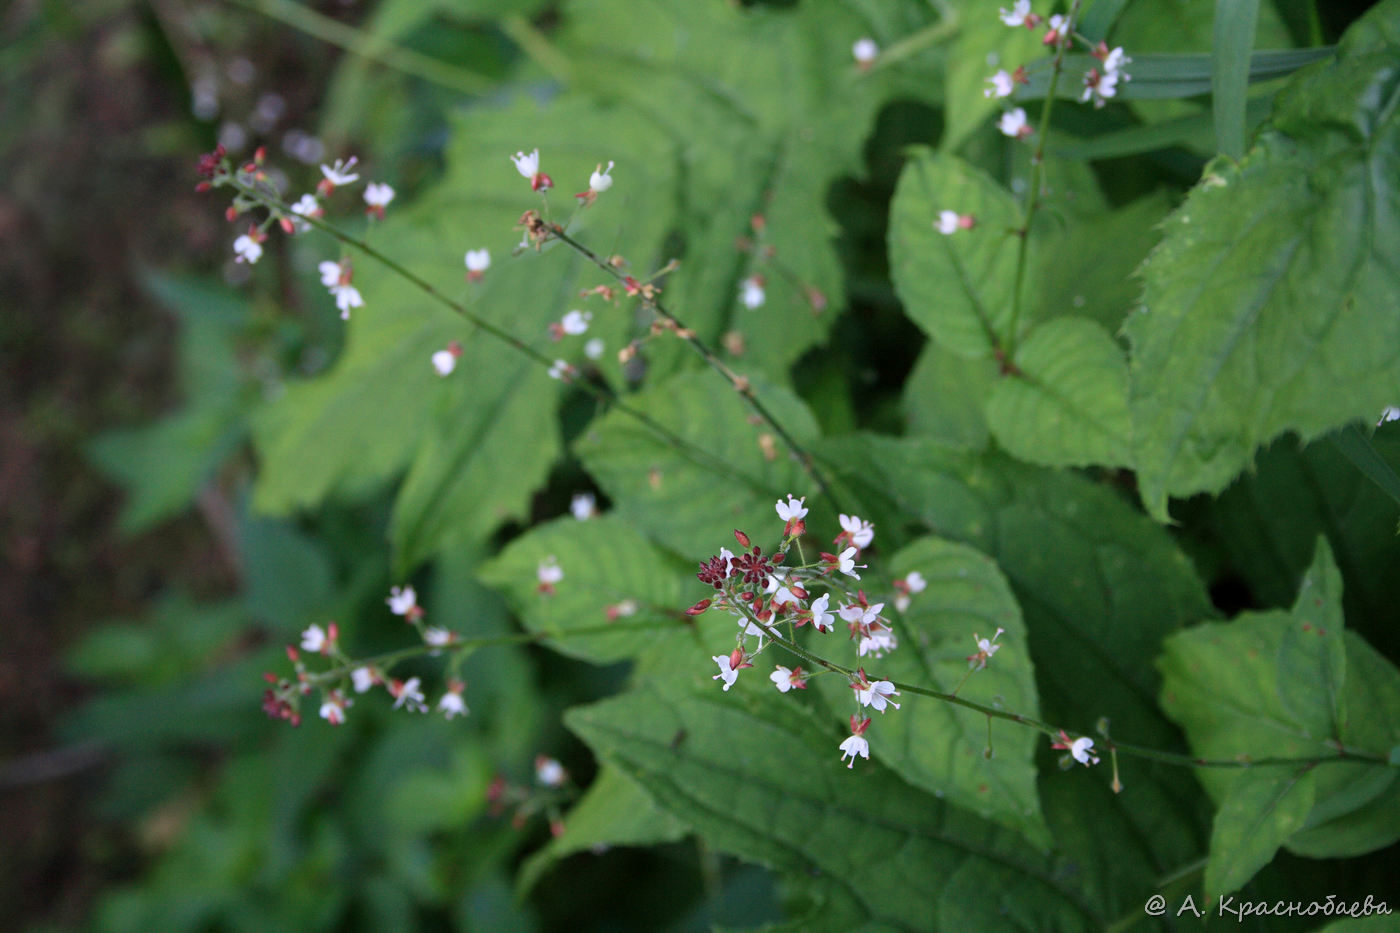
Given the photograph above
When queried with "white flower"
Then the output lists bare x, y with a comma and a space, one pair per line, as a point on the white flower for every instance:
861, 615
751, 291
340, 174
561, 370
378, 194
437, 637
1016, 16
308, 206
876, 642
781, 594
855, 745
822, 620
1013, 123
915, 581
576, 322
601, 180
584, 505
1082, 750
333, 709
364, 678
451, 703
593, 349
861, 532
792, 509
402, 600
1099, 87
865, 51
330, 273
407, 694
726, 673
876, 695
347, 296
549, 772
247, 249
549, 572
478, 260
314, 639
527, 165
785, 679
444, 361
847, 563
947, 223
1391, 413
1001, 85
986, 647
1114, 61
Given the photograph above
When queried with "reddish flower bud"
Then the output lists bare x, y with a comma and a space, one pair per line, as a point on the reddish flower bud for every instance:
742, 538
778, 558
698, 608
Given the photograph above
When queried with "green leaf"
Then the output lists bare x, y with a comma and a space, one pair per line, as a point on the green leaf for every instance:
937, 746
1066, 404
1271, 685
940, 394
1257, 816
761, 778
612, 575
1363, 454
1235, 23
956, 288
689, 503
615, 811
1269, 304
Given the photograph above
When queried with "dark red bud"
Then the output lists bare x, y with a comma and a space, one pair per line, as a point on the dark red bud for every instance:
698, 608
742, 538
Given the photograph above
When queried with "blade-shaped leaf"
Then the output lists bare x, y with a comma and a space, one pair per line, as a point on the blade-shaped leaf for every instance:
1235, 22
1258, 814
983, 45
1269, 305
1066, 404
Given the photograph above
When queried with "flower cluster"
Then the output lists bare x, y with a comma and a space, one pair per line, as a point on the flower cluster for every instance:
283, 697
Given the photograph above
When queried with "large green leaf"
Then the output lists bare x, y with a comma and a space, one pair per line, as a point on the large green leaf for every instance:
1066, 402
1255, 818
938, 746
692, 502
943, 397
1270, 304
606, 564
1276, 684
956, 287
758, 776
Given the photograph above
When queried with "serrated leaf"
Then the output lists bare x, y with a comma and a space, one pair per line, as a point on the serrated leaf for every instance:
692, 501
1225, 685
614, 811
1259, 813
758, 776
606, 565
1269, 304
1067, 402
957, 287
943, 397
937, 746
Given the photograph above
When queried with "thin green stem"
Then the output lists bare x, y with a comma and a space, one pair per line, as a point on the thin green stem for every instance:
1036, 180
739, 383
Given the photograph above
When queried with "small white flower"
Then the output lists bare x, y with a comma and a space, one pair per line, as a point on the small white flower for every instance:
584, 505
333, 709
1082, 750
726, 673
822, 620
601, 180
1099, 87
861, 531
781, 594
364, 678
1013, 123
549, 772
527, 165
314, 639
340, 174
247, 249
409, 695
347, 296
1115, 60
1016, 16
786, 680
593, 349
451, 703
437, 637
478, 260
1001, 85
792, 509
847, 563
861, 615
402, 600
855, 745
876, 695
864, 51
915, 581
378, 194
576, 322
444, 361
877, 642
330, 273
561, 370
947, 223
308, 206
549, 572
1391, 413
752, 293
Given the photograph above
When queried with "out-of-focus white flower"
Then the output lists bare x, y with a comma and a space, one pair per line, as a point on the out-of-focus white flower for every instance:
864, 51
584, 505
751, 292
